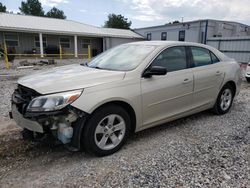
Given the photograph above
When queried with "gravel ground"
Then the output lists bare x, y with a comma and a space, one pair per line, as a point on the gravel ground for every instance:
13, 73
203, 150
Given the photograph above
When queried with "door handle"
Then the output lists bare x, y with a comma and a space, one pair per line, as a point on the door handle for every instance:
186, 80
218, 73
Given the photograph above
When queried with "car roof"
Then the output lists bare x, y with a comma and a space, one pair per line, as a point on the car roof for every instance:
163, 44
168, 43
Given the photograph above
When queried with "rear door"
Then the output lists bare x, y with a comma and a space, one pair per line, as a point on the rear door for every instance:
208, 76
171, 94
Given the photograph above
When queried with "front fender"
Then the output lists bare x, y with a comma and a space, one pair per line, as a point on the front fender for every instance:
93, 98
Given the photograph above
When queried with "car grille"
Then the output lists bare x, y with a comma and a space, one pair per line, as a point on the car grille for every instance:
22, 96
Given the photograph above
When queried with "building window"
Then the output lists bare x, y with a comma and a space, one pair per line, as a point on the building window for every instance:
149, 36
85, 43
202, 37
65, 42
37, 42
164, 36
11, 40
182, 35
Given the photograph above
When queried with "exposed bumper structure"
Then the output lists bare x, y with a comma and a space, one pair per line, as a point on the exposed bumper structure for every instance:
25, 123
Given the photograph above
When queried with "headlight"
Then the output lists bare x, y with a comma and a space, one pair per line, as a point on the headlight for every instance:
53, 102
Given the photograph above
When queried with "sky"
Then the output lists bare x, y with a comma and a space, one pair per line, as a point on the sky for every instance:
144, 13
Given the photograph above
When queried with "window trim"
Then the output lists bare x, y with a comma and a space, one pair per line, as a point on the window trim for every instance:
18, 41
65, 42
39, 42
162, 35
188, 61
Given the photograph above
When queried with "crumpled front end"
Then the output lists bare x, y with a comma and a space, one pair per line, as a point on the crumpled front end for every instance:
60, 123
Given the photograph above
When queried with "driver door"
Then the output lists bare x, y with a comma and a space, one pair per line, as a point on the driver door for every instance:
169, 95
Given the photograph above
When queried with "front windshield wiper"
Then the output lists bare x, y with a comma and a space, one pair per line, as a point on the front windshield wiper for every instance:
96, 67
84, 64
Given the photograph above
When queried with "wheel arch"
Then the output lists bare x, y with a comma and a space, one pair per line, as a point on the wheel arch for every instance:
232, 84
128, 107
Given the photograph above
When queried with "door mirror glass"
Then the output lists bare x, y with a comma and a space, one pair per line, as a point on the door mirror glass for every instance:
155, 70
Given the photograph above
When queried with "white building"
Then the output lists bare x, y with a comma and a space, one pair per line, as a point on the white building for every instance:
32, 33
195, 31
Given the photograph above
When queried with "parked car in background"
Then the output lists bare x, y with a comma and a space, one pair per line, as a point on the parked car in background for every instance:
248, 72
126, 89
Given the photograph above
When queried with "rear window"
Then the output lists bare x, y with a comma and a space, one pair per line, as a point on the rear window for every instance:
214, 58
202, 57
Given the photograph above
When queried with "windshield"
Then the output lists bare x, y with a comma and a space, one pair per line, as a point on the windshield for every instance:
122, 58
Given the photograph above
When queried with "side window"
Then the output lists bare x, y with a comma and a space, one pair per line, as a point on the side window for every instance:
65, 42
214, 58
182, 35
37, 42
173, 59
201, 56
149, 36
164, 36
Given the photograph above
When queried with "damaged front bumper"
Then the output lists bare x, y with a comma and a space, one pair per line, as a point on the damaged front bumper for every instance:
65, 125
24, 122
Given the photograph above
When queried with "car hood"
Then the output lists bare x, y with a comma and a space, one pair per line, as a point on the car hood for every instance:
69, 77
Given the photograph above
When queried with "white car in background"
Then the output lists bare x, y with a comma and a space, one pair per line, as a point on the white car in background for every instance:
248, 72
124, 90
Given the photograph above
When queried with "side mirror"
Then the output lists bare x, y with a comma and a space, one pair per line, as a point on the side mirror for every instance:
154, 70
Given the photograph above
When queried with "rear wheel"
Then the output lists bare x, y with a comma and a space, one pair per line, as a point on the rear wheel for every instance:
107, 130
248, 79
224, 100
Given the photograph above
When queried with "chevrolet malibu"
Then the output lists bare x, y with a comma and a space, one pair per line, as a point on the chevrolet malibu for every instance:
126, 89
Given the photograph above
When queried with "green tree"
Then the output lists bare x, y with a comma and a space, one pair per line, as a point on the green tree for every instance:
117, 21
175, 22
2, 8
56, 13
32, 7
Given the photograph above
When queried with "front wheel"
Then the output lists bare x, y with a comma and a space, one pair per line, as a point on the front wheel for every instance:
248, 79
224, 100
106, 131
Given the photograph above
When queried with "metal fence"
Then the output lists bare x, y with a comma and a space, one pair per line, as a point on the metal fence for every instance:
60, 56
234, 47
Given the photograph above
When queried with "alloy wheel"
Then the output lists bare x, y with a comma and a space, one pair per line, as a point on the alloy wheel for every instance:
110, 132
226, 99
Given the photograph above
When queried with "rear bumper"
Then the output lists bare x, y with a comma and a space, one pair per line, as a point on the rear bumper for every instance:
24, 122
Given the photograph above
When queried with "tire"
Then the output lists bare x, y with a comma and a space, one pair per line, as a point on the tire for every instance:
102, 135
224, 100
27, 135
248, 79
